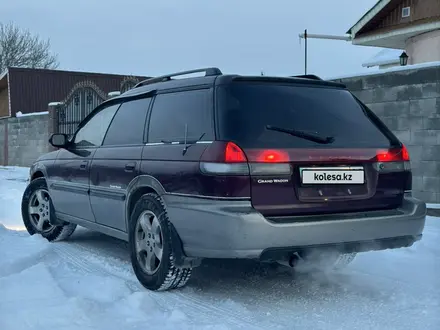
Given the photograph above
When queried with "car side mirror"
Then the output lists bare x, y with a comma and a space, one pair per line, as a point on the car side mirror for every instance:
59, 140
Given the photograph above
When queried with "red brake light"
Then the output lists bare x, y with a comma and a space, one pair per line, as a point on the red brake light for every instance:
405, 153
233, 154
384, 156
273, 156
392, 155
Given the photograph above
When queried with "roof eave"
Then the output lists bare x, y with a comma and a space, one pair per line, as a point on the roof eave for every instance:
381, 4
407, 32
4, 81
4, 74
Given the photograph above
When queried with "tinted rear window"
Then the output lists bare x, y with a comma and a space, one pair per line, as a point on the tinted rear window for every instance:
172, 112
244, 110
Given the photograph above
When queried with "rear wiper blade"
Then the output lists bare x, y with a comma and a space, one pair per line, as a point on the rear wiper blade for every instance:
303, 135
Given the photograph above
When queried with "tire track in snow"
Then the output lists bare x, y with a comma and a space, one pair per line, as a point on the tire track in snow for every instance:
70, 255
89, 260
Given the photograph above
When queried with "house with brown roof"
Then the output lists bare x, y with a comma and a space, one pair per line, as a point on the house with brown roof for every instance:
410, 25
25, 90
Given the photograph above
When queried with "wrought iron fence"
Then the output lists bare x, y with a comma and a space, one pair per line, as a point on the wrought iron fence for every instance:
128, 83
82, 99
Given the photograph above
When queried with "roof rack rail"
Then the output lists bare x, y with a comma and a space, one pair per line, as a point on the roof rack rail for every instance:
208, 72
308, 76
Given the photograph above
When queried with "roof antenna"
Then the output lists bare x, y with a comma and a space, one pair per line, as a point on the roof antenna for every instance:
185, 140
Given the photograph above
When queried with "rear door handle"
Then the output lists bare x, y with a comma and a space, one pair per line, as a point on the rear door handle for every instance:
130, 167
83, 165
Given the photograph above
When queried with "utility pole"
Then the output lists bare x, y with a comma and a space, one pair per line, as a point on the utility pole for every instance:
305, 35
305, 51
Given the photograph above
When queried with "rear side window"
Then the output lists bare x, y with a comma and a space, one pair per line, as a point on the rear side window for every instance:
245, 109
127, 127
175, 113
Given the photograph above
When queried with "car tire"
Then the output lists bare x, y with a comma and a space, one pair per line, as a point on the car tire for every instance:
150, 244
38, 213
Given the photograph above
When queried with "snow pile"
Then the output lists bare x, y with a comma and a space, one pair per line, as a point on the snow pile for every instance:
12, 261
12, 185
87, 283
40, 290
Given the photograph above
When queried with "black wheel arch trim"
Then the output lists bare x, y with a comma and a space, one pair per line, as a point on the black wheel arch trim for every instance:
37, 167
141, 182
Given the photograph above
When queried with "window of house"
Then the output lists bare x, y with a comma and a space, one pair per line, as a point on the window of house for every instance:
127, 127
92, 133
175, 113
406, 12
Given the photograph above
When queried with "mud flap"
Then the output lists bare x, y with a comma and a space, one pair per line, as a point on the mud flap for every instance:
54, 221
181, 260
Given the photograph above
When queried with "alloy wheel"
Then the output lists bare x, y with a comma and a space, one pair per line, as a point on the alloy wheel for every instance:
149, 244
39, 210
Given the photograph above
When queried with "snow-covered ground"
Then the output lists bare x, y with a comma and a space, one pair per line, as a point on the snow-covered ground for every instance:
87, 283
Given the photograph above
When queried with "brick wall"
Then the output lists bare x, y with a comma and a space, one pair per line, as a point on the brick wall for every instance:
27, 139
409, 103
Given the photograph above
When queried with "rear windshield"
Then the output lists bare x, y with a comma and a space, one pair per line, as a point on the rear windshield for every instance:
245, 109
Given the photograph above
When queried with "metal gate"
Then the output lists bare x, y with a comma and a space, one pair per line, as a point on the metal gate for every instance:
82, 99
128, 83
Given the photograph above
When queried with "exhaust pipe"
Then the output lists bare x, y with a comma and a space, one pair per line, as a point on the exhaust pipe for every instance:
291, 261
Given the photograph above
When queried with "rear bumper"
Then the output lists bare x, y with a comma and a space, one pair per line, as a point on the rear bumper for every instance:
234, 229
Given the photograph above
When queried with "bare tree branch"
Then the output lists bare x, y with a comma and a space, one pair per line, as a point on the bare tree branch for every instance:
19, 48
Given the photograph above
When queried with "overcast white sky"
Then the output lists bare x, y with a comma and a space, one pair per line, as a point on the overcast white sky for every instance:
148, 37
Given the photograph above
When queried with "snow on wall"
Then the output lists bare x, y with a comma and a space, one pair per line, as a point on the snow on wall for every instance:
393, 69
384, 57
20, 114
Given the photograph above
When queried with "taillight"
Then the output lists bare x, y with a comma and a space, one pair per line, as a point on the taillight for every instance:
393, 155
224, 158
227, 158
234, 154
405, 153
393, 160
273, 156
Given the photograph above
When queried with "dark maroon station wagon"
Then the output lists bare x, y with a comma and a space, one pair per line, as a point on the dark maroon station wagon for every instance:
228, 166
